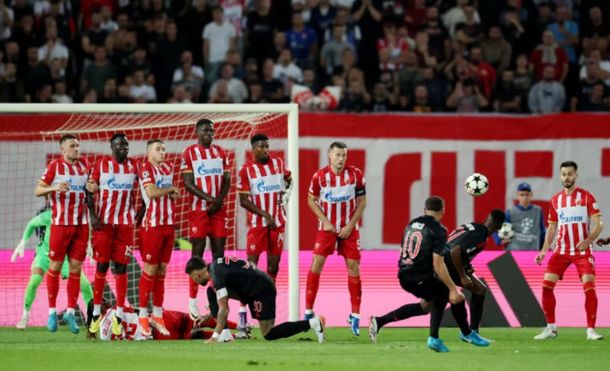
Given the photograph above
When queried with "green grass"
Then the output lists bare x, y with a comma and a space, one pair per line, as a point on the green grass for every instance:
397, 349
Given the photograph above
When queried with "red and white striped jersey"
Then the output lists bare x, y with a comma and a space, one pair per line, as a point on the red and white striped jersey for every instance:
337, 193
265, 184
572, 213
131, 329
117, 183
208, 166
159, 211
68, 208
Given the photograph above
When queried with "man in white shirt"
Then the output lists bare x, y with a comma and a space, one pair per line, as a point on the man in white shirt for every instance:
218, 38
236, 88
286, 69
604, 67
54, 48
140, 91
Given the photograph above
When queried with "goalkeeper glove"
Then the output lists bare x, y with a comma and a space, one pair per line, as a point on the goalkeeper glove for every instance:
18, 251
286, 195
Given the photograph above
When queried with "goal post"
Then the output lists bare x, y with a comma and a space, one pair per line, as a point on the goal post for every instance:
98, 122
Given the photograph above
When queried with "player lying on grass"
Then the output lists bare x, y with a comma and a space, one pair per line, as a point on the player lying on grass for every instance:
41, 224
241, 280
179, 324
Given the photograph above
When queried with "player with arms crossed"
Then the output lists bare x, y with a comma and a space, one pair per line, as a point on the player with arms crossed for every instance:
113, 216
574, 213
241, 280
64, 182
422, 272
41, 224
464, 244
261, 185
337, 196
207, 177
157, 233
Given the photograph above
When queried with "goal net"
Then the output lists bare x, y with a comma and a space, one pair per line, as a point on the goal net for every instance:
29, 137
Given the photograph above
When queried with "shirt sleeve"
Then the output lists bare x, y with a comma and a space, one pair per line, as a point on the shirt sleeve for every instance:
95, 172
552, 212
440, 243
225, 160
186, 165
314, 186
49, 174
360, 183
219, 279
592, 207
287, 173
147, 176
243, 183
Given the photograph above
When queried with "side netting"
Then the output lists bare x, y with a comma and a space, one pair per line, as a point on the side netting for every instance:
24, 154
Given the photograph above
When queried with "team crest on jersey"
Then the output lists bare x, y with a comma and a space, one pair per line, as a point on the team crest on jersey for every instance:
317, 246
194, 229
51, 253
148, 257
595, 205
145, 174
252, 247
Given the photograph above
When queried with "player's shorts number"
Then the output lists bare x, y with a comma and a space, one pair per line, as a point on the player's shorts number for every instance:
257, 306
411, 245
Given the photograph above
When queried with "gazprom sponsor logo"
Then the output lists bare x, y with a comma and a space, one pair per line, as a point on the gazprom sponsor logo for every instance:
205, 171
118, 186
163, 183
76, 187
570, 219
262, 187
329, 197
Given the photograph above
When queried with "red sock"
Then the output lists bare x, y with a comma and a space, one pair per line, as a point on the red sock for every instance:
590, 303
548, 300
146, 285
193, 288
354, 285
313, 282
73, 289
121, 289
159, 290
98, 287
52, 287
273, 275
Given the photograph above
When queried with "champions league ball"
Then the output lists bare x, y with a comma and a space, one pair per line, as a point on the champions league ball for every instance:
506, 232
476, 184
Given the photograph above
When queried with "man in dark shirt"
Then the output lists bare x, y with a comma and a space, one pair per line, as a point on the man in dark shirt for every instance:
463, 244
241, 280
422, 272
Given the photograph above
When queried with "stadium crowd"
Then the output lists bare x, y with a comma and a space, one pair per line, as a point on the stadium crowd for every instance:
512, 56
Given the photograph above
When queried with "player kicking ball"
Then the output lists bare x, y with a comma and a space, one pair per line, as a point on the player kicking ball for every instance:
241, 280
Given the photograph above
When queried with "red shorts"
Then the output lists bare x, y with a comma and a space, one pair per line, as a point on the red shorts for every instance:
156, 244
203, 225
68, 239
178, 324
113, 242
348, 247
261, 239
559, 263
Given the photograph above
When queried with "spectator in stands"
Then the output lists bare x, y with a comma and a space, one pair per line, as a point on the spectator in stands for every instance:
110, 93
221, 93
251, 72
595, 57
94, 35
382, 100
310, 80
496, 50
233, 12
597, 100
469, 31
515, 32
180, 95
523, 79
566, 32
302, 41
547, 95
53, 48
353, 35
321, 18
436, 88
108, 24
140, 90
95, 74
356, 98
190, 76
273, 88
415, 16
7, 17
457, 15
285, 68
169, 49
236, 89
421, 102
60, 93
12, 89
368, 16
437, 34
35, 74
330, 56
593, 76
192, 24
218, 38
549, 54
467, 97
90, 96
408, 77
25, 37
255, 93
426, 56
391, 48
508, 98
44, 94
260, 28
485, 73
596, 30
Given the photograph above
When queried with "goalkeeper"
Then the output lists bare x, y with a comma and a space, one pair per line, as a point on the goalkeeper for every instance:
41, 224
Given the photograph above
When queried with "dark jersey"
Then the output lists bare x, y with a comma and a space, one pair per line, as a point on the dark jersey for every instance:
471, 238
423, 237
239, 279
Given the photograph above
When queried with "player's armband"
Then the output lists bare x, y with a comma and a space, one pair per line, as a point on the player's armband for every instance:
222, 293
360, 191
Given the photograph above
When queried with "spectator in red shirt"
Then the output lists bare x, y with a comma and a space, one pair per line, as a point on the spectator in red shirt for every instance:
486, 74
549, 53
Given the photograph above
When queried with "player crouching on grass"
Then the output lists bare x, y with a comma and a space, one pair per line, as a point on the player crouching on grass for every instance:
179, 325
241, 280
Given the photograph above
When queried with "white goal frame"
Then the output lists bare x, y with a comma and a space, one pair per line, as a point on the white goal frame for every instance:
292, 111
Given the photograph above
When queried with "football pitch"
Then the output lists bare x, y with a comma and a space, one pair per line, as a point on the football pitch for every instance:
397, 349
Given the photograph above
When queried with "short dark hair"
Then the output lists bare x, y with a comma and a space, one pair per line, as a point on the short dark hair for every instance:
195, 263
498, 217
153, 141
67, 137
569, 164
202, 122
434, 203
117, 136
258, 137
339, 145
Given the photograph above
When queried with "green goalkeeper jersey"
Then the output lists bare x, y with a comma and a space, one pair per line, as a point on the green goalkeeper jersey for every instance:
42, 220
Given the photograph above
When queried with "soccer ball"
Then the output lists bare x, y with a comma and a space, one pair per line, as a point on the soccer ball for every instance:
506, 232
476, 184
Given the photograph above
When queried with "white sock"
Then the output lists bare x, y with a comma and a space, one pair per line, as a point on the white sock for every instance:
242, 309
313, 322
70, 311
589, 329
119, 312
193, 302
356, 315
97, 309
26, 313
52, 310
552, 326
308, 311
158, 311
143, 312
